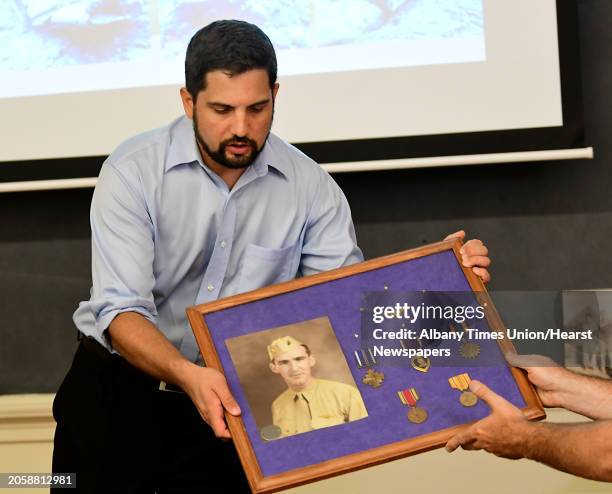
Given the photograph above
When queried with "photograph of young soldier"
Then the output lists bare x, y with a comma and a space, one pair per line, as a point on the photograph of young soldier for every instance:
308, 403
303, 362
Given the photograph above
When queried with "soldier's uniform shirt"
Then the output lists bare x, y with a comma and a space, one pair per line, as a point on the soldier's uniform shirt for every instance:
321, 404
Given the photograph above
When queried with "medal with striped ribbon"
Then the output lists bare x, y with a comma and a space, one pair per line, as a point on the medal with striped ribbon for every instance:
372, 377
409, 397
462, 383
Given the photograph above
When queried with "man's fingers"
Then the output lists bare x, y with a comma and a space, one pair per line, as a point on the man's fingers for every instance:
227, 400
527, 361
459, 439
474, 247
225, 395
480, 261
453, 443
215, 417
482, 273
488, 396
211, 411
475, 255
459, 234
516, 360
470, 445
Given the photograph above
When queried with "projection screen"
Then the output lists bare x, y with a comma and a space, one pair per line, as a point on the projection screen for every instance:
361, 80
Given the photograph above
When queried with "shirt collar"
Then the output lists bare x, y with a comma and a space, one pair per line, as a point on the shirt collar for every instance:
270, 158
183, 149
309, 391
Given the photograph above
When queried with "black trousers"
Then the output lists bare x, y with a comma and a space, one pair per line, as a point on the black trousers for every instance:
120, 434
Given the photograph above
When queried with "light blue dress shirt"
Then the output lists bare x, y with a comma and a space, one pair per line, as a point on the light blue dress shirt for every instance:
167, 232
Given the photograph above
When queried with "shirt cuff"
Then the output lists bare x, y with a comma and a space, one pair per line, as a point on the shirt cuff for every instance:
104, 319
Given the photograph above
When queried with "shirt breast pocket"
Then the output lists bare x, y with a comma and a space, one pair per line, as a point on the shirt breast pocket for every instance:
262, 266
326, 421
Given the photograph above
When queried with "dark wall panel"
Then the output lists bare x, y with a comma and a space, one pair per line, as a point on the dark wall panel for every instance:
45, 265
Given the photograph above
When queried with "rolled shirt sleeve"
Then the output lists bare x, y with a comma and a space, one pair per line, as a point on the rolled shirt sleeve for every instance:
122, 250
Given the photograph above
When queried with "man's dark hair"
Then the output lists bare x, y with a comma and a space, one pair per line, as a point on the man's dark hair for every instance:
231, 46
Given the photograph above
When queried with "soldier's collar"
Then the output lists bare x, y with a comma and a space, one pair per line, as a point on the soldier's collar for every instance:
309, 391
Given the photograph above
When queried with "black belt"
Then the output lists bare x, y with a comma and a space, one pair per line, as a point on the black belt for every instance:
94, 347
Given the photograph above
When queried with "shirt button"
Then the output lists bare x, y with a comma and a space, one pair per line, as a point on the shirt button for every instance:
210, 288
224, 244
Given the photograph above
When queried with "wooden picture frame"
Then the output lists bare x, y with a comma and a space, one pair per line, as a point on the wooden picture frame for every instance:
332, 451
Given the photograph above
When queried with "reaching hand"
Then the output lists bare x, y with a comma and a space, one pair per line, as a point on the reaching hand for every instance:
474, 255
501, 433
548, 378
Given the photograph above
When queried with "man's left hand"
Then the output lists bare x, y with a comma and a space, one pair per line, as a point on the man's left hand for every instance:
502, 433
474, 254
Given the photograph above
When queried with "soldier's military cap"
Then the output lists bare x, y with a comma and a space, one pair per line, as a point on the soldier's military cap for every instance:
282, 345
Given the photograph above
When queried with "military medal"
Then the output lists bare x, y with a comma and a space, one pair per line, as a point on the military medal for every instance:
418, 362
270, 432
462, 383
372, 377
467, 349
409, 397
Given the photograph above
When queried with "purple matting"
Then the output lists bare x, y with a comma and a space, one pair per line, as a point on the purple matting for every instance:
386, 423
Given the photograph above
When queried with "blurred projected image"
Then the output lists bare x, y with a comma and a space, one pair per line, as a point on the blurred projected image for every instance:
148, 38
316, 23
589, 311
36, 34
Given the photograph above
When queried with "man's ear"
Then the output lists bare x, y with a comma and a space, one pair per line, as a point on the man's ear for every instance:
187, 102
274, 367
312, 360
275, 90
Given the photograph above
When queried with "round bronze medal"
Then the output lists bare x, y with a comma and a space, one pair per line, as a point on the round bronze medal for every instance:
416, 415
469, 350
270, 432
468, 399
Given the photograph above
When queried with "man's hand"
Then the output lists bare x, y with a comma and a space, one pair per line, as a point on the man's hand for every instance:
559, 387
543, 372
144, 346
583, 449
208, 390
474, 254
502, 433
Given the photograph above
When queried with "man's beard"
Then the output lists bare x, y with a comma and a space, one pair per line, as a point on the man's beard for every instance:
220, 155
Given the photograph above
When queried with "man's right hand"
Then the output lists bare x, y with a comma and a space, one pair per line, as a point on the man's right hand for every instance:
209, 392
143, 345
